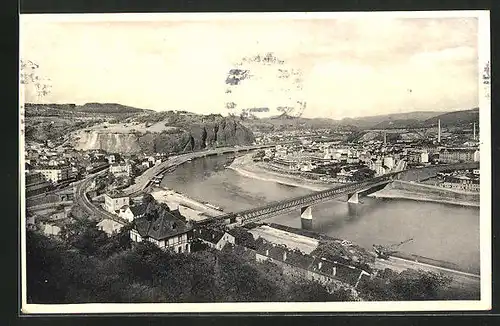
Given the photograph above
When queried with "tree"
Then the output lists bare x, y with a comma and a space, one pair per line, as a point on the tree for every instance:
407, 285
198, 245
147, 199
118, 242
308, 291
84, 235
419, 285
243, 237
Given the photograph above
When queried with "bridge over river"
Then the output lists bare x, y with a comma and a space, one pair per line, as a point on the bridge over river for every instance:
352, 190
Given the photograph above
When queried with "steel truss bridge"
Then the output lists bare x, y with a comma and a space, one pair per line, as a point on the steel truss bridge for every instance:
284, 206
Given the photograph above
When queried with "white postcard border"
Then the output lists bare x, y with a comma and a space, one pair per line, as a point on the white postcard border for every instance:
485, 178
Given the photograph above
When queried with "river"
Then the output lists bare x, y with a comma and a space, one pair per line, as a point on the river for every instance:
440, 231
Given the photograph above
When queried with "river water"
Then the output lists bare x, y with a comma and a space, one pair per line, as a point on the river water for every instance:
440, 231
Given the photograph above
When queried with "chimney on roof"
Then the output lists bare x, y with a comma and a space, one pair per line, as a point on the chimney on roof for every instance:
284, 255
267, 252
334, 270
320, 264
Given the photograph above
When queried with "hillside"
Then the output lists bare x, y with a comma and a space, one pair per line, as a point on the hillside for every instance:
282, 123
118, 128
396, 120
386, 121
168, 132
106, 108
56, 121
451, 119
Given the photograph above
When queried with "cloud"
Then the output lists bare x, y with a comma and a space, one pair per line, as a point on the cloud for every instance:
351, 67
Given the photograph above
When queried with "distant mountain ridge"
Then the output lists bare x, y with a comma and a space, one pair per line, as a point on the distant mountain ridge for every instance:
416, 119
393, 120
454, 118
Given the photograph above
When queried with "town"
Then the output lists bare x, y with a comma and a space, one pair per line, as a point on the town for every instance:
53, 175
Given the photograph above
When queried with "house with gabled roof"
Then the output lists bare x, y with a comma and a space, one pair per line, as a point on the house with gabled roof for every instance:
168, 230
215, 238
294, 262
131, 213
115, 200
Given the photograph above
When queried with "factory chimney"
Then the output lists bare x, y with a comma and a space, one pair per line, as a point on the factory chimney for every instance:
385, 138
439, 130
474, 131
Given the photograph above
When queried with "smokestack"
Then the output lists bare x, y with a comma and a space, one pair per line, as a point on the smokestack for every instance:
385, 138
474, 131
439, 130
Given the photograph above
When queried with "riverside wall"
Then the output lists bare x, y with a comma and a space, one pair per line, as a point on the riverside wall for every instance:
433, 192
431, 171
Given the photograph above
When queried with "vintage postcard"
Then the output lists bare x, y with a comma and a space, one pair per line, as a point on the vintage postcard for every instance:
298, 162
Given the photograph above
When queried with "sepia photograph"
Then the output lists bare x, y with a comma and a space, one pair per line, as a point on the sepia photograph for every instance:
255, 162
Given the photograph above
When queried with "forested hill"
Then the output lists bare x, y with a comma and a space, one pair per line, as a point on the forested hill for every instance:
456, 118
105, 108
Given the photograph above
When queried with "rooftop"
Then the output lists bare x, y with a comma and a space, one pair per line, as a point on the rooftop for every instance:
116, 194
138, 210
167, 225
211, 235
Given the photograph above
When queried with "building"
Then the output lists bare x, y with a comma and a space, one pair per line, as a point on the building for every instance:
389, 161
120, 170
167, 231
109, 226
215, 238
34, 178
130, 213
54, 174
30, 221
114, 201
461, 182
294, 262
111, 159
456, 155
35, 184
424, 157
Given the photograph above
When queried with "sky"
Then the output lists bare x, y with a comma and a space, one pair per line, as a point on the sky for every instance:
350, 67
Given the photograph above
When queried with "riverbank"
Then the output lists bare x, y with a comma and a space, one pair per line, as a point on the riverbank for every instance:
188, 207
245, 166
401, 194
423, 192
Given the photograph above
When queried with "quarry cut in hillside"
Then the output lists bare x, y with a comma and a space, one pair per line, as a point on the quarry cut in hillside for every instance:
163, 136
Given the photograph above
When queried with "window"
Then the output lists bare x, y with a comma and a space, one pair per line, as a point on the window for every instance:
187, 248
179, 249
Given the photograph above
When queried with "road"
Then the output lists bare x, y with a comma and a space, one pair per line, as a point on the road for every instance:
460, 279
142, 181
83, 201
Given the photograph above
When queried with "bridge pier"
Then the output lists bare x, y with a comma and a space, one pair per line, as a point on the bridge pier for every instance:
353, 198
306, 217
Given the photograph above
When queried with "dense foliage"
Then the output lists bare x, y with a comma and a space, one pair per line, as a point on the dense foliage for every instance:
86, 266
408, 285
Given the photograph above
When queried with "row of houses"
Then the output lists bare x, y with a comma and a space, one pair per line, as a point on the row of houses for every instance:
294, 262
460, 180
169, 230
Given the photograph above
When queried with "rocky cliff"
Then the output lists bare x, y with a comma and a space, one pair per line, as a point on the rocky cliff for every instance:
188, 132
